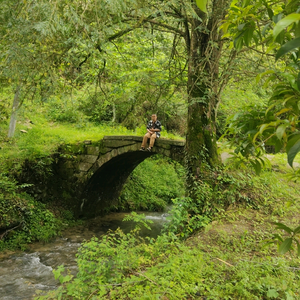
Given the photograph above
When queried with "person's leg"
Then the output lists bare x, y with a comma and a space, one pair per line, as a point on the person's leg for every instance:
145, 140
152, 140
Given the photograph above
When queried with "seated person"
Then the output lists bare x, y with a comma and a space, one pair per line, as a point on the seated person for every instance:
153, 132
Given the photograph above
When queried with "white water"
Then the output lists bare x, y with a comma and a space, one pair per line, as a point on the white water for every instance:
22, 274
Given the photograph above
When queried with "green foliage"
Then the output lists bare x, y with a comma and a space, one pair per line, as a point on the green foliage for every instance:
286, 244
202, 5
152, 185
226, 189
186, 217
22, 219
139, 219
242, 134
125, 266
279, 125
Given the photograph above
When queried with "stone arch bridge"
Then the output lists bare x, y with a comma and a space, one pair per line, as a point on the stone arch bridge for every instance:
89, 176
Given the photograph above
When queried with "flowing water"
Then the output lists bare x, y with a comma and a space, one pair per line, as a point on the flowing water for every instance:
23, 273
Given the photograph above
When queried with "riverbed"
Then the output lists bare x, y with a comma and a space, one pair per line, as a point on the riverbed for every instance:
24, 273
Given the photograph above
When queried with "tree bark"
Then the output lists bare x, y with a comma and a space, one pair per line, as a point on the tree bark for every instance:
205, 46
13, 116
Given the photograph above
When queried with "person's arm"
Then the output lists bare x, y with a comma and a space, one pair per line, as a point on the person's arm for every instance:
158, 125
149, 125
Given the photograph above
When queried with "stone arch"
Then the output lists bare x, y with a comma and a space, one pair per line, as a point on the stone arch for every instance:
87, 176
107, 175
106, 183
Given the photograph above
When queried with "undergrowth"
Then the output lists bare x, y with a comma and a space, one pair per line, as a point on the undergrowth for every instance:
222, 254
152, 185
24, 220
125, 266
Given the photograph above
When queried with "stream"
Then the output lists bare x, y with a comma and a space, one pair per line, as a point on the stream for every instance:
23, 273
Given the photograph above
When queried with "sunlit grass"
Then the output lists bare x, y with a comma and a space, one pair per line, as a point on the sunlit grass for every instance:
42, 138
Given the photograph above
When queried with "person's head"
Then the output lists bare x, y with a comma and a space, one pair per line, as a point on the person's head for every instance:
154, 117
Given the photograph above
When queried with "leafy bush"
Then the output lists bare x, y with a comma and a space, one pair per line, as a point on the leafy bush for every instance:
226, 189
22, 219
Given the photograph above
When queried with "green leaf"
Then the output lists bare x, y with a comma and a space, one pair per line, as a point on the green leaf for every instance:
248, 36
282, 111
282, 226
293, 152
272, 293
298, 248
241, 26
277, 18
287, 47
285, 22
280, 38
278, 237
297, 230
278, 145
270, 13
263, 128
281, 130
263, 32
202, 5
238, 41
262, 75
293, 139
298, 80
285, 246
246, 3
257, 166
297, 30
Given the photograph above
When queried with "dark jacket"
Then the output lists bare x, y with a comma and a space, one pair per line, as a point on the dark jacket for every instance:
155, 125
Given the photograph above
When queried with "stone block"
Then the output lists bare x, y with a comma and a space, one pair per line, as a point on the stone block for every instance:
123, 137
114, 153
103, 159
88, 158
117, 143
163, 145
92, 150
121, 150
93, 169
83, 166
104, 150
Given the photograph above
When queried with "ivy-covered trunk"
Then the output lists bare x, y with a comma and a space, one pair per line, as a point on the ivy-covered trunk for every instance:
204, 48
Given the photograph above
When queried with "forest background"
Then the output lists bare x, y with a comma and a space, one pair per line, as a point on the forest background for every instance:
75, 70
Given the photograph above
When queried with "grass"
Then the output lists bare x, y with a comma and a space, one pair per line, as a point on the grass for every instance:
43, 137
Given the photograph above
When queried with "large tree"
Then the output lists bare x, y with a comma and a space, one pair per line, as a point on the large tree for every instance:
75, 32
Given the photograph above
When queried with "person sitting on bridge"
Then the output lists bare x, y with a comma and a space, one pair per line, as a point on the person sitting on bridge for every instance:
153, 132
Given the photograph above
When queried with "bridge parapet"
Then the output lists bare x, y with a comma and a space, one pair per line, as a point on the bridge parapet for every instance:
92, 155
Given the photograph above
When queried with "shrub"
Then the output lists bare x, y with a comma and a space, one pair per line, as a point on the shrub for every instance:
152, 185
22, 219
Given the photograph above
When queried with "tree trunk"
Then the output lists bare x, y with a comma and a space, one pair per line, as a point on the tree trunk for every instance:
13, 116
114, 113
204, 47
